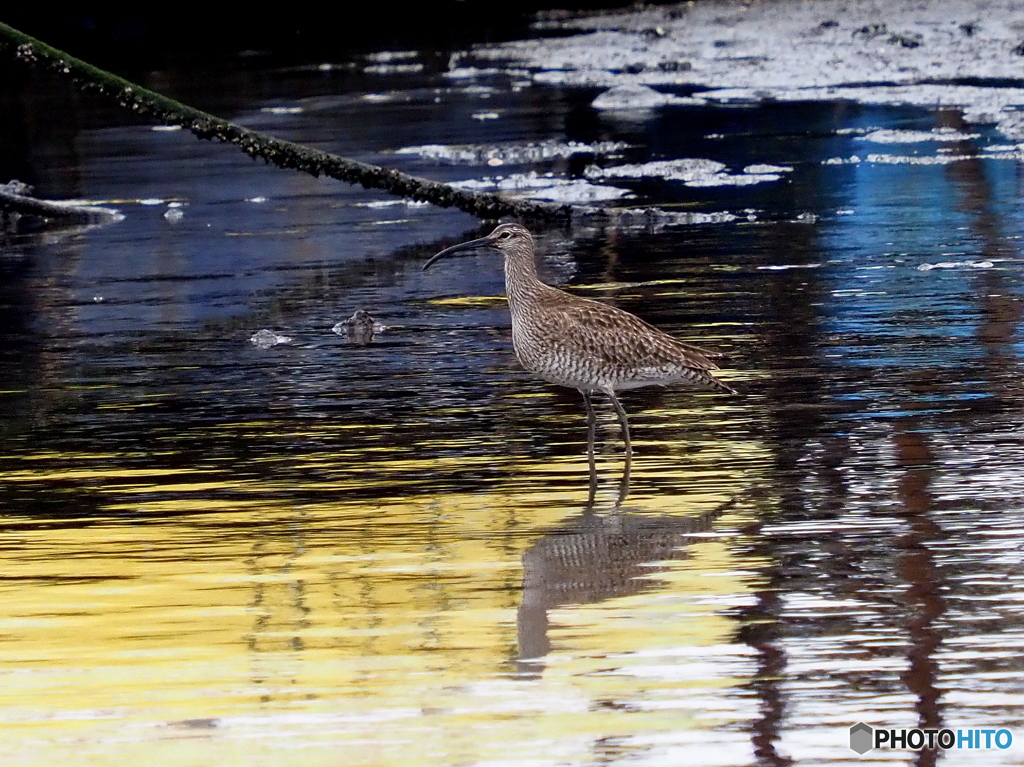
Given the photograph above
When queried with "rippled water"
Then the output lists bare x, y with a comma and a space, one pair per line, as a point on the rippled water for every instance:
324, 552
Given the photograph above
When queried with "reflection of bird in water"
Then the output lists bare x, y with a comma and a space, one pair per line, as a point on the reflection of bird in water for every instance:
592, 558
360, 328
585, 344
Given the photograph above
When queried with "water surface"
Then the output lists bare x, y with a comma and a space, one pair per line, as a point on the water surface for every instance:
331, 553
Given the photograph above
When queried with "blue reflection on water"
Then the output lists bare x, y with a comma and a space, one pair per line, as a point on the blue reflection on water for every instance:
915, 259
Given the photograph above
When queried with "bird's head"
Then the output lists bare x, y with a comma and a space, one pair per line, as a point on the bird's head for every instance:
506, 238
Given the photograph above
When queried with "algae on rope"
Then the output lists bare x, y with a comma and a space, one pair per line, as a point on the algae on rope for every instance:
283, 154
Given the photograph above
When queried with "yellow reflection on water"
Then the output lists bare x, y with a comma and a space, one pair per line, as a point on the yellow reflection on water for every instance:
259, 630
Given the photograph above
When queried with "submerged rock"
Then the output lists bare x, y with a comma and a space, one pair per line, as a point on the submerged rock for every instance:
264, 339
920, 52
360, 328
691, 171
511, 154
17, 201
894, 136
546, 186
686, 169
631, 97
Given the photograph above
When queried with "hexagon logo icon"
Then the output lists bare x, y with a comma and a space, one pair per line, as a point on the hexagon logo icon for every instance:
861, 738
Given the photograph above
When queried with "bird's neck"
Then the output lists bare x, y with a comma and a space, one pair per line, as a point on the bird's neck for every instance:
521, 282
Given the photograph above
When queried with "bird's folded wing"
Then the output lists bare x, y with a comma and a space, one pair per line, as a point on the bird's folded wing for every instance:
617, 337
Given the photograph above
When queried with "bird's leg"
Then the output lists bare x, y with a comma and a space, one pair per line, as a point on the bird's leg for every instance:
623, 421
624, 484
592, 487
591, 422
591, 438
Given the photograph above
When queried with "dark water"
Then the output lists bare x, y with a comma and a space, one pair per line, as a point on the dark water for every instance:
325, 552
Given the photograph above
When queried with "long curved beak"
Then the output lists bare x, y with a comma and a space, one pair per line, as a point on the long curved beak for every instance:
481, 243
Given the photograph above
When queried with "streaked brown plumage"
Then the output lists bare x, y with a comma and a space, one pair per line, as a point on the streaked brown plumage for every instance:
585, 344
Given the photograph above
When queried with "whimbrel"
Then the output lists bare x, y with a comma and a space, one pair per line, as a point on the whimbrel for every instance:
590, 346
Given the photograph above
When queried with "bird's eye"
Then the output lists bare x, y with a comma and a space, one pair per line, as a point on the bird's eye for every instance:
505, 235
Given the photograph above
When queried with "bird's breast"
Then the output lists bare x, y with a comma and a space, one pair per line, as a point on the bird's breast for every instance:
555, 361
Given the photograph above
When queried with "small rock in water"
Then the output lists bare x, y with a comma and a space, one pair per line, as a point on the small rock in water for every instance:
18, 187
912, 40
631, 97
174, 212
871, 31
196, 724
264, 339
360, 328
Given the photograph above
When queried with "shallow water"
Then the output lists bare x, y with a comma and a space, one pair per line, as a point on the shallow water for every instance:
331, 553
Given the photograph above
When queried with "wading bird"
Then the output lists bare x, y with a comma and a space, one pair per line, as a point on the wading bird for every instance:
590, 346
